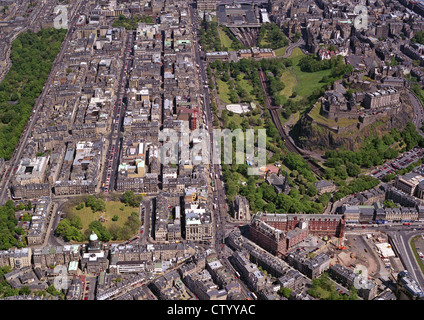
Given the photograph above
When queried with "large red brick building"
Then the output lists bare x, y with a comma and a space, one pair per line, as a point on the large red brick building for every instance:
279, 233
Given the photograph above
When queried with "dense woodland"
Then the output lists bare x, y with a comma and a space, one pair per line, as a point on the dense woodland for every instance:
32, 56
9, 231
271, 36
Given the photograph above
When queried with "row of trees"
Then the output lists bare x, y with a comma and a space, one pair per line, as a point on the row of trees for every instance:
70, 228
131, 23
309, 63
209, 36
8, 227
360, 184
131, 199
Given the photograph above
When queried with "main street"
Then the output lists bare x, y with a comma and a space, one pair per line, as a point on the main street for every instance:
221, 216
402, 241
110, 171
401, 236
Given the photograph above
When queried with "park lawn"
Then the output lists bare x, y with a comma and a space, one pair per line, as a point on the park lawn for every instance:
289, 80
246, 84
309, 81
306, 83
112, 208
226, 42
236, 118
280, 51
223, 91
296, 54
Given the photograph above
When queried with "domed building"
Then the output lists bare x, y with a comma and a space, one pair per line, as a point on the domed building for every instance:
93, 243
94, 260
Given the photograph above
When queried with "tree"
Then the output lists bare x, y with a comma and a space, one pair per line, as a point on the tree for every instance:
115, 218
102, 233
24, 291
419, 37
63, 226
76, 222
80, 206
114, 230
352, 169
285, 292
131, 199
95, 204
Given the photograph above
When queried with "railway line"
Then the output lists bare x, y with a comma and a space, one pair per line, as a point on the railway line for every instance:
288, 143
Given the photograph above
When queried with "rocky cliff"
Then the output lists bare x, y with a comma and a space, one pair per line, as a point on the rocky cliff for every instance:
315, 136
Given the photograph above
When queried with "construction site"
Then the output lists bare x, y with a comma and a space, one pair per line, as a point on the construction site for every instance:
369, 252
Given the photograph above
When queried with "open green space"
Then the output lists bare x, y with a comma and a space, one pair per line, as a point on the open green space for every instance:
226, 42
280, 51
308, 81
112, 208
32, 56
245, 84
223, 91
271, 36
110, 220
325, 289
289, 80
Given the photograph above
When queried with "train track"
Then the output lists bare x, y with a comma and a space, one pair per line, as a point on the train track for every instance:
291, 147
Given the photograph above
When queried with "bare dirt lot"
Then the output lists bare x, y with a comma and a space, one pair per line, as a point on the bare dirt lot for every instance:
358, 252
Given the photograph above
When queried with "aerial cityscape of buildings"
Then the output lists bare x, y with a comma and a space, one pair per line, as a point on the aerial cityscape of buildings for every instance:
97, 214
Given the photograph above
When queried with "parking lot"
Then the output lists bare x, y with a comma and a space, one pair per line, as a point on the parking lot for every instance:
401, 162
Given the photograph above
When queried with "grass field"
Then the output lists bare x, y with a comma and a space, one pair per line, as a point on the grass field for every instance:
308, 81
112, 208
223, 91
236, 118
226, 42
296, 53
280, 51
289, 80
246, 84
